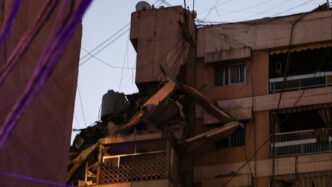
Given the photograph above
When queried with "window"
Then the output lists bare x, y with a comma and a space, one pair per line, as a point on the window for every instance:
299, 121
237, 73
225, 74
300, 62
220, 75
238, 138
301, 131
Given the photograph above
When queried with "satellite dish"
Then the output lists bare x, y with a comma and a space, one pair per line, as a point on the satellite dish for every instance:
142, 5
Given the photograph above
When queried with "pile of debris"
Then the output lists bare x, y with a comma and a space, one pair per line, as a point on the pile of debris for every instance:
166, 108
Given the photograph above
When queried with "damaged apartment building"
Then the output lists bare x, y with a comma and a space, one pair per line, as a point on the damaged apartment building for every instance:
236, 104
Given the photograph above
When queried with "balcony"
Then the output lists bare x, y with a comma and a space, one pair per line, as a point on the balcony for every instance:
298, 82
301, 142
132, 160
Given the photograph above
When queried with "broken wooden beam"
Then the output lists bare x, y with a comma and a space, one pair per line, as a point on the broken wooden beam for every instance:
133, 121
208, 104
155, 99
221, 132
161, 94
80, 159
167, 89
197, 142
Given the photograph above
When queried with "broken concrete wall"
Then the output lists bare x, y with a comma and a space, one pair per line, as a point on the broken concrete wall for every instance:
158, 37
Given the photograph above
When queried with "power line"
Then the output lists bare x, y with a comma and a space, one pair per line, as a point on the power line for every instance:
80, 99
127, 64
75, 68
246, 163
218, 14
249, 7
210, 10
166, 3
103, 61
124, 60
97, 49
106, 40
214, 8
102, 48
204, 21
294, 7
78, 125
268, 10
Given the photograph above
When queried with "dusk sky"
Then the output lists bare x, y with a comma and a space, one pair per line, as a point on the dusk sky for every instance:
113, 64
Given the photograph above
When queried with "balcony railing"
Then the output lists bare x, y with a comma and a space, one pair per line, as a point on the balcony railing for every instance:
297, 82
134, 167
301, 142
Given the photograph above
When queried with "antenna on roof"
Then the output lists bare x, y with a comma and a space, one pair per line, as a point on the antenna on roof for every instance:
142, 5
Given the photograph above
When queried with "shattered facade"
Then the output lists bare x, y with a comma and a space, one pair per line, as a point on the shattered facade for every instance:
238, 104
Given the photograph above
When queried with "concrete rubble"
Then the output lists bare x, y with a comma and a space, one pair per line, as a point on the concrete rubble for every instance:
125, 115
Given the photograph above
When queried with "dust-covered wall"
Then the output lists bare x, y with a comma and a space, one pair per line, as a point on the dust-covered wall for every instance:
38, 147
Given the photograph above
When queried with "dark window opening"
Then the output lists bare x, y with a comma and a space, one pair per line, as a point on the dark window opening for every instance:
226, 74
236, 139
298, 121
301, 63
220, 75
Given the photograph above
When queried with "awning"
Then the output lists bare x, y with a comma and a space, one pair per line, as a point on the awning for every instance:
301, 48
304, 108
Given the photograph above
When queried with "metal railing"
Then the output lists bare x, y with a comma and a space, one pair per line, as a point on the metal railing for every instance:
238, 138
298, 82
134, 167
301, 142
141, 162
